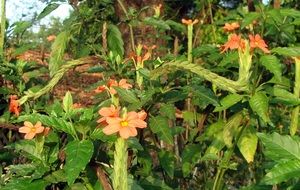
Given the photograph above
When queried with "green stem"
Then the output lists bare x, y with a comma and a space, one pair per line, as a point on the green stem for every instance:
212, 21
225, 162
190, 42
295, 112
120, 165
130, 26
3, 20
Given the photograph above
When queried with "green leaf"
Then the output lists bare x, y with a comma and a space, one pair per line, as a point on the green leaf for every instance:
98, 134
190, 157
231, 128
206, 95
176, 26
68, 102
56, 177
21, 26
160, 126
126, 95
151, 183
259, 103
290, 12
282, 172
53, 122
168, 110
280, 147
249, 18
134, 144
248, 143
167, 162
214, 148
47, 10
286, 97
157, 23
78, 155
271, 63
228, 101
287, 51
25, 184
114, 40
27, 148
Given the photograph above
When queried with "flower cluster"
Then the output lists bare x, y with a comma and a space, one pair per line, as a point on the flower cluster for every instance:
31, 130
126, 124
113, 83
236, 42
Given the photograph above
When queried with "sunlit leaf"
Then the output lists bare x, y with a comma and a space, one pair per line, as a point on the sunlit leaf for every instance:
248, 143
280, 147
114, 40
259, 103
47, 10
228, 101
271, 63
283, 171
287, 51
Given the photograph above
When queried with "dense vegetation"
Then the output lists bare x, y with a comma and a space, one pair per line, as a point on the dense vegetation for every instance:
195, 94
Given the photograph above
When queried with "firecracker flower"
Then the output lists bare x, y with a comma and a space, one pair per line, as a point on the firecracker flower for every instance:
113, 83
126, 126
189, 21
107, 112
257, 42
14, 106
235, 42
231, 27
31, 130
122, 84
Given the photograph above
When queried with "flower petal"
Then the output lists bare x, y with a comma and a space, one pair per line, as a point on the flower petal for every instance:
28, 124
39, 129
24, 129
110, 129
137, 123
29, 135
127, 132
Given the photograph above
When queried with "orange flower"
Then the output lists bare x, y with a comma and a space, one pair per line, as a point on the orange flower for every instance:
107, 112
100, 89
51, 38
127, 125
31, 130
46, 131
189, 21
234, 42
14, 106
231, 27
76, 105
122, 84
257, 42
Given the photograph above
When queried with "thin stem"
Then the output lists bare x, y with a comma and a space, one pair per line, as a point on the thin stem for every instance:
225, 162
212, 21
130, 26
2, 35
295, 112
